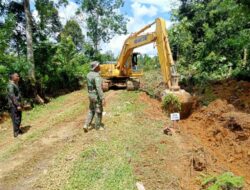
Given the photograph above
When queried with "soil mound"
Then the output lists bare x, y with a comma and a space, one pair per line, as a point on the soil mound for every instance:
225, 132
235, 92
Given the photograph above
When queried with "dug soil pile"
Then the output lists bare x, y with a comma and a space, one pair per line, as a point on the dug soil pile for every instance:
235, 92
224, 133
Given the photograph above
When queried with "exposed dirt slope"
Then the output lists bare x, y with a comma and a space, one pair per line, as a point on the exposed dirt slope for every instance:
224, 133
217, 136
235, 92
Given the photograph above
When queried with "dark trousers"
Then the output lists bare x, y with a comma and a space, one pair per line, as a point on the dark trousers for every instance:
16, 117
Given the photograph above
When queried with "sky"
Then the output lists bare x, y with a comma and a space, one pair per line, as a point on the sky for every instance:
139, 14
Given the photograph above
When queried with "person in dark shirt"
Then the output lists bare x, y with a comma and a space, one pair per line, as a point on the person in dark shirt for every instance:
14, 102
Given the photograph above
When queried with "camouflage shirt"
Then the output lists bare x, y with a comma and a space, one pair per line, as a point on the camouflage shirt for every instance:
14, 94
94, 82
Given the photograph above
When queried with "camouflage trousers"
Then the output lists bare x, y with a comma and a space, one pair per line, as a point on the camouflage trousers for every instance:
95, 110
16, 117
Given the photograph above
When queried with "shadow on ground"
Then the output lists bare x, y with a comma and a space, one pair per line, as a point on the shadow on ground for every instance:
25, 129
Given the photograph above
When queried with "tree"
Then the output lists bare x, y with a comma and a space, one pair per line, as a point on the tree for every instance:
29, 40
16, 9
65, 51
30, 51
67, 63
49, 24
5, 59
26, 47
210, 43
73, 30
103, 20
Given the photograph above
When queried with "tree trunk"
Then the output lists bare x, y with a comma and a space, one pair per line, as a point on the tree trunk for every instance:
245, 57
30, 52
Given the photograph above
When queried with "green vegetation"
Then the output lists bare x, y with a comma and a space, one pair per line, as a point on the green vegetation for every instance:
151, 80
211, 39
207, 96
132, 148
225, 181
171, 103
103, 166
103, 20
106, 164
118, 152
60, 53
149, 63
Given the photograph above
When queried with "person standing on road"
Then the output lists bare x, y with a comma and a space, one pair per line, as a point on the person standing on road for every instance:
96, 97
14, 102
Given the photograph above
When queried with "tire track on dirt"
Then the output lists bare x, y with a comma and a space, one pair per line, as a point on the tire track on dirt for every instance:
36, 124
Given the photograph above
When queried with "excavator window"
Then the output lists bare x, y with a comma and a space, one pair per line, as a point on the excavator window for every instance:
135, 61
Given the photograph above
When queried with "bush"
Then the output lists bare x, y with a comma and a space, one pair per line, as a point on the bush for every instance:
3, 84
242, 74
171, 103
60, 66
226, 181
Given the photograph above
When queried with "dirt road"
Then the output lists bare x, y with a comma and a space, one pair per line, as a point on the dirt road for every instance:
55, 153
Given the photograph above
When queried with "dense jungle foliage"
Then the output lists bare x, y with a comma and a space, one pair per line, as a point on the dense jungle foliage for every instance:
61, 54
211, 39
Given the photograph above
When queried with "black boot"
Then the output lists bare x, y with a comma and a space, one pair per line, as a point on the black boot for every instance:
20, 132
16, 133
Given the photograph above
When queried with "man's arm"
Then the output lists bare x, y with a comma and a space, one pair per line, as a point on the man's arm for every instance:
98, 83
11, 94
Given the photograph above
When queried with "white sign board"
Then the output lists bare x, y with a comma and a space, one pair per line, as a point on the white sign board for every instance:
175, 116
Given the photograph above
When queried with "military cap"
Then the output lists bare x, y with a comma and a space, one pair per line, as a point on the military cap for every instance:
94, 64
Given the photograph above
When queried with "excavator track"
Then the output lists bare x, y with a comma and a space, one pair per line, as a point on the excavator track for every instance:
133, 84
130, 84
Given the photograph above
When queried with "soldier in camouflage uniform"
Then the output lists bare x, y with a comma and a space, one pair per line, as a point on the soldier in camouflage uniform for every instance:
14, 102
96, 97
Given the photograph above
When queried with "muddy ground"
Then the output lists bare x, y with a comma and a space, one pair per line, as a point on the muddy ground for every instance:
214, 139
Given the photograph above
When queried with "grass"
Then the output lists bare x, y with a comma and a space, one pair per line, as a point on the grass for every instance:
100, 167
171, 103
40, 110
109, 163
224, 181
69, 113
113, 159
105, 165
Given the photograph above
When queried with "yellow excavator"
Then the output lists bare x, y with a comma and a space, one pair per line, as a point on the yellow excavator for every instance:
124, 72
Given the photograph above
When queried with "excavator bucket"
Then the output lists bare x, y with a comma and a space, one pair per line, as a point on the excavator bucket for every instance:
185, 99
